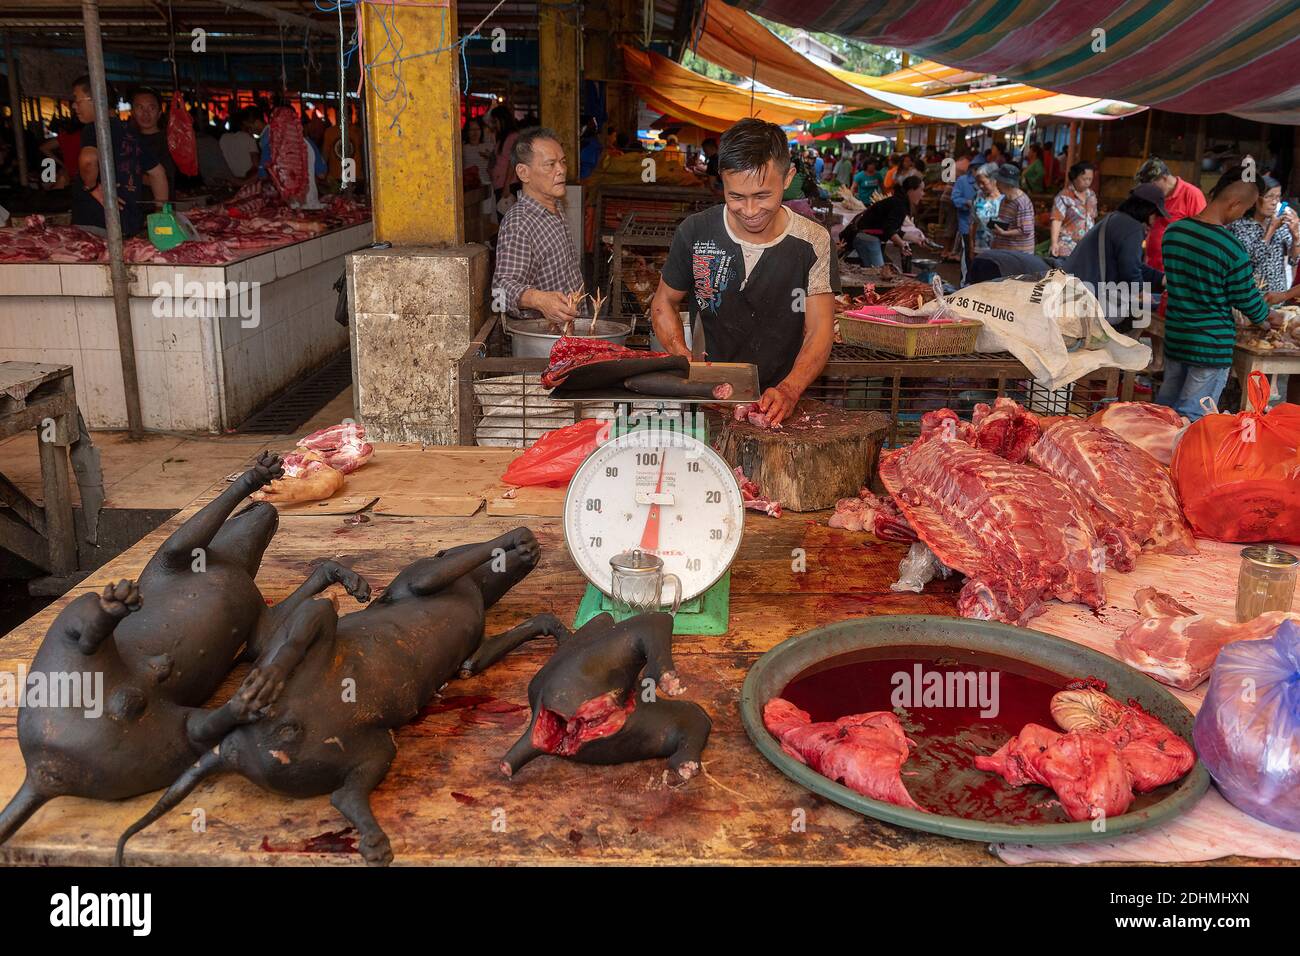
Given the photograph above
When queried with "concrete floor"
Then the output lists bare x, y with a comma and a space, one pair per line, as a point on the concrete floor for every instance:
161, 470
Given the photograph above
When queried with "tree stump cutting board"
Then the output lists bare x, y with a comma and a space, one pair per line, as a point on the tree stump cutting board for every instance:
819, 454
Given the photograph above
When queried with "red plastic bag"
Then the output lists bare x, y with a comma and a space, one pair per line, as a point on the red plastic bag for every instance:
556, 455
1239, 475
180, 137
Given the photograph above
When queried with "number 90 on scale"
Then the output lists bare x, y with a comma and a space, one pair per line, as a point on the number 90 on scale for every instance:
668, 494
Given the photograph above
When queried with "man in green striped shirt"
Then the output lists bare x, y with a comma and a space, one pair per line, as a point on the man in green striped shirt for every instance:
1207, 275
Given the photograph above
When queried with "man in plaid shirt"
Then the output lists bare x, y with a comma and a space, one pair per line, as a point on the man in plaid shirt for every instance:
537, 264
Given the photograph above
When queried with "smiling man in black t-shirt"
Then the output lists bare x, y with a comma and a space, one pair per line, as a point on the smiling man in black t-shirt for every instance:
763, 278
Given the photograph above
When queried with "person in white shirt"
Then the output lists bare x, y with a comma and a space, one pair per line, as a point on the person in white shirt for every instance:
239, 146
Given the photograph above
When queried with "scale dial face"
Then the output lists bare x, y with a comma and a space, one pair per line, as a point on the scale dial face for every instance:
663, 492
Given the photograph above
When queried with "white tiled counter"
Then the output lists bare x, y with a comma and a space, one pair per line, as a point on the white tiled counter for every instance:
202, 365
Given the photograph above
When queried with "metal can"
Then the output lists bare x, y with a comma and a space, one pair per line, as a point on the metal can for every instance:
1266, 581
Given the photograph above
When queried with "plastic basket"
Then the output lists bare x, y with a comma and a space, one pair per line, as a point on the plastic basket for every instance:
912, 341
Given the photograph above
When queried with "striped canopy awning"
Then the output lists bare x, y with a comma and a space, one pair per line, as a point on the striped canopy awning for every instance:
1190, 56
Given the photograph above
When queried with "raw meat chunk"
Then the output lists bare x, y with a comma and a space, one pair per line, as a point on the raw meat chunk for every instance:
1020, 536
1177, 646
1006, 429
1153, 428
1152, 754
754, 499
1131, 496
864, 752
1083, 769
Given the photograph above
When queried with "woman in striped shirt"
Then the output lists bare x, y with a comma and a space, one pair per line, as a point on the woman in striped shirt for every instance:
1207, 275
1017, 212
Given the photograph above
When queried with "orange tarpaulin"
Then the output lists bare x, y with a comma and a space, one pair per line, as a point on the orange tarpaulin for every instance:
672, 88
737, 42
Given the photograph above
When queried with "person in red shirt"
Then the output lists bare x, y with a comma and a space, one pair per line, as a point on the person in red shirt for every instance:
1182, 199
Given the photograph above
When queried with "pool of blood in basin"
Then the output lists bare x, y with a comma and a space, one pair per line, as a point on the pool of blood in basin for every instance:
940, 772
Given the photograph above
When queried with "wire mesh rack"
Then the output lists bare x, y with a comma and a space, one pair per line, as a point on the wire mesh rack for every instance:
866, 379
501, 401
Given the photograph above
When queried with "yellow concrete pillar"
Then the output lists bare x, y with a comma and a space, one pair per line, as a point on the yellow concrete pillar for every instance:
413, 123
559, 38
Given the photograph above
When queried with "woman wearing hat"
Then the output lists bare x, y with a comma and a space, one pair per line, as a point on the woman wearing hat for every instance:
1017, 212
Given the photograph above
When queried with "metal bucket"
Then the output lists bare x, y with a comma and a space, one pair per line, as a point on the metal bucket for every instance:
533, 338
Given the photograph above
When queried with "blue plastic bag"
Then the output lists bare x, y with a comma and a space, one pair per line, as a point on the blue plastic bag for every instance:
1248, 730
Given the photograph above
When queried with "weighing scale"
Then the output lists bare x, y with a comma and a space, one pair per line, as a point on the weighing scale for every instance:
658, 486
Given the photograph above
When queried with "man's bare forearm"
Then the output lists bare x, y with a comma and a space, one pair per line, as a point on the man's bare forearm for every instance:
665, 316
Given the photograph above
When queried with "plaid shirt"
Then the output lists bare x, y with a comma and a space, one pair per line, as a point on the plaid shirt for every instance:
534, 251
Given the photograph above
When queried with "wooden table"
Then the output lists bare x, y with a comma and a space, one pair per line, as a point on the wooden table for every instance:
1245, 361
444, 801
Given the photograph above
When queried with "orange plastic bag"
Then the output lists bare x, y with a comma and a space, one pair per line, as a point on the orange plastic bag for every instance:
1239, 475
556, 455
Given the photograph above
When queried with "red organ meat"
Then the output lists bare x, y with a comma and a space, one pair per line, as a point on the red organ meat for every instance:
1177, 646
181, 143
1153, 428
1107, 751
1005, 429
602, 716
1083, 769
864, 752
1130, 495
1020, 536
1152, 754
288, 167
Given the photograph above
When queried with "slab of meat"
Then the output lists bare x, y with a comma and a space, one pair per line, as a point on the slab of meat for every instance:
864, 752
754, 499
1131, 496
181, 143
1177, 646
1153, 428
1083, 769
1020, 536
288, 167
867, 512
750, 412
947, 424
343, 447
1006, 429
571, 351
1152, 754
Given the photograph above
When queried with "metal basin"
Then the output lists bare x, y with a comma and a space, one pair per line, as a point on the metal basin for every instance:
533, 338
772, 672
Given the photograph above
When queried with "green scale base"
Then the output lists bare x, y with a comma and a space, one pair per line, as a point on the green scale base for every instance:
706, 614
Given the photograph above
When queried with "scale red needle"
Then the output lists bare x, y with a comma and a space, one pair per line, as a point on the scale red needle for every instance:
650, 536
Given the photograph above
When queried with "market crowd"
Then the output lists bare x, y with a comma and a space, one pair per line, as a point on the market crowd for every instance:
1206, 264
